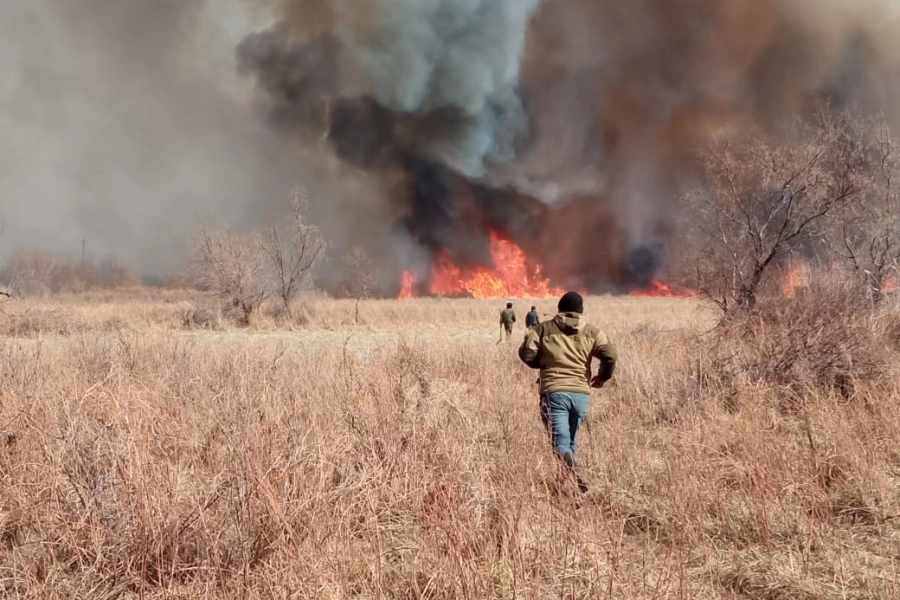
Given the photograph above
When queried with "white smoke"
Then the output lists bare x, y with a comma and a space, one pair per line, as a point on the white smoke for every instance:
125, 124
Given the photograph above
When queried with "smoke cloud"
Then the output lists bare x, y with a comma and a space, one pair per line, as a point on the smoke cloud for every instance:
124, 124
567, 125
417, 126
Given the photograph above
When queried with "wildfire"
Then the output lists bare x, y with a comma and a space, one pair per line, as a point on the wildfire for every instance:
510, 277
796, 278
408, 286
657, 289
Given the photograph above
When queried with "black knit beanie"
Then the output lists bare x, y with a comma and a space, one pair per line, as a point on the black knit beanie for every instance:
571, 302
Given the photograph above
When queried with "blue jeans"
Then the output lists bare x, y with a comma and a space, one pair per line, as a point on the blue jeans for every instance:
562, 414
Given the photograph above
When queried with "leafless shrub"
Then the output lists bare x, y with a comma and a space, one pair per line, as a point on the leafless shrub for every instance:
108, 273
201, 318
865, 234
38, 273
232, 266
245, 269
292, 250
358, 275
821, 341
766, 198
358, 278
31, 273
35, 322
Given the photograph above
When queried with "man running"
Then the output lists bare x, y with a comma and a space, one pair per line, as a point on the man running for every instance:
532, 319
563, 349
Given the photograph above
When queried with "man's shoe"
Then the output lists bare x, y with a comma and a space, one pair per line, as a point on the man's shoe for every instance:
569, 459
582, 484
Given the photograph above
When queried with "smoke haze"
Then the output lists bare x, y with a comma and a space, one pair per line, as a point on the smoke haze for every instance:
417, 126
124, 123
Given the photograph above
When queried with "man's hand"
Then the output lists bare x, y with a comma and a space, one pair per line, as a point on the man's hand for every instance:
596, 382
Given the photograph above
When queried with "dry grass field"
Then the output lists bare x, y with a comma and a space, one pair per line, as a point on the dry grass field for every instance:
398, 453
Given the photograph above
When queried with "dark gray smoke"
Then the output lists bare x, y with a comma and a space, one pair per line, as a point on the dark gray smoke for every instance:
417, 126
567, 125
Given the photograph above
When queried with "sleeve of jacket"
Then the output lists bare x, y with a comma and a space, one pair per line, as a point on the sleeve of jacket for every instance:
530, 350
605, 352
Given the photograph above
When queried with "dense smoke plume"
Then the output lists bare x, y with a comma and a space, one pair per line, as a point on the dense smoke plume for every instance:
416, 125
567, 125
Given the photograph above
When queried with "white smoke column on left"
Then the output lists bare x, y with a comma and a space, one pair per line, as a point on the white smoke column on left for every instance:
124, 123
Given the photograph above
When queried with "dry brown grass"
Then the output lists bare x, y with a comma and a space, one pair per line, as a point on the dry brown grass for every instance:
403, 458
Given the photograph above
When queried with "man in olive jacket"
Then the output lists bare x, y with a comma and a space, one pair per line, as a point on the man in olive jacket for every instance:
507, 320
563, 349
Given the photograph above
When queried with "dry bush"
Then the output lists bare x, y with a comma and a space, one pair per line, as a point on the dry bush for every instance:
409, 462
354, 275
30, 273
766, 198
820, 341
232, 265
107, 273
865, 234
292, 247
245, 269
36, 322
38, 273
202, 318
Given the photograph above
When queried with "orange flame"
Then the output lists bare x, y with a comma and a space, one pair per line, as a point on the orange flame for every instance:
796, 278
658, 289
407, 286
510, 277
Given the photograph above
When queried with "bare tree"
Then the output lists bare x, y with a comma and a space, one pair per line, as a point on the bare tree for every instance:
364, 275
233, 266
292, 250
31, 273
764, 200
865, 234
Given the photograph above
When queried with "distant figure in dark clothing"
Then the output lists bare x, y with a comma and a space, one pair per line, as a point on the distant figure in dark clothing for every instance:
532, 319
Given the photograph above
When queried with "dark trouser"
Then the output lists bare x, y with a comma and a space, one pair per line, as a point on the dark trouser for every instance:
508, 329
562, 414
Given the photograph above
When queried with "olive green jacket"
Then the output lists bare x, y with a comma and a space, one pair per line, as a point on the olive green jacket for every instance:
507, 317
563, 349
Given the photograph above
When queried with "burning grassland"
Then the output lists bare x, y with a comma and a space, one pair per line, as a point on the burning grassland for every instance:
510, 276
568, 128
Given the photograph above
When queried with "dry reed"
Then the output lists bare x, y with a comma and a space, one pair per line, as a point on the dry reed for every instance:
403, 458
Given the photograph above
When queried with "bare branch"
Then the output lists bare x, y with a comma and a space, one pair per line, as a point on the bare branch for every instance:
764, 201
